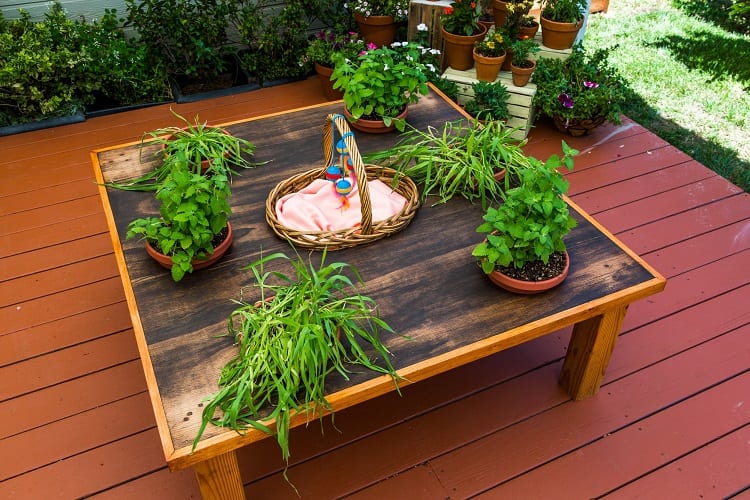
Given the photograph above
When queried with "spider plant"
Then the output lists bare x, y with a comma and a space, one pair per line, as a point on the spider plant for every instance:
208, 150
303, 327
462, 159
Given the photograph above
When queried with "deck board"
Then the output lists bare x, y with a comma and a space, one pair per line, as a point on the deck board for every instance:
70, 369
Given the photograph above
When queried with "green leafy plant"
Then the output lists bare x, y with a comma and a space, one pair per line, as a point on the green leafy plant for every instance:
193, 214
579, 87
275, 37
399, 9
490, 101
461, 159
461, 17
522, 50
531, 222
196, 143
187, 37
492, 45
40, 67
563, 11
382, 81
326, 43
303, 327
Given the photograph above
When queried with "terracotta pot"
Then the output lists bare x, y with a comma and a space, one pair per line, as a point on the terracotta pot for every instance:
324, 76
380, 30
487, 67
529, 287
459, 49
577, 127
205, 164
372, 126
526, 32
219, 251
521, 76
559, 36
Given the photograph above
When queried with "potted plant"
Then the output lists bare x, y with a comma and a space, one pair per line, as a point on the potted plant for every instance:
379, 85
206, 149
522, 66
460, 28
320, 53
508, 13
561, 20
579, 93
524, 250
489, 54
527, 27
466, 159
377, 19
490, 101
192, 230
298, 329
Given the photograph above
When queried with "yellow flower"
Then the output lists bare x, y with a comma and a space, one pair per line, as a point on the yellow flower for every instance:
490, 45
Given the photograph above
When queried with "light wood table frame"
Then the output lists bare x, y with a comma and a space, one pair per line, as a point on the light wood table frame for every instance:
424, 279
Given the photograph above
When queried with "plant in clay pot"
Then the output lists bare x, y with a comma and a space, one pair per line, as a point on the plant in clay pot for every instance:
380, 83
524, 235
561, 20
522, 66
490, 101
508, 14
489, 54
377, 19
466, 159
299, 328
192, 220
460, 28
204, 148
581, 92
527, 27
320, 54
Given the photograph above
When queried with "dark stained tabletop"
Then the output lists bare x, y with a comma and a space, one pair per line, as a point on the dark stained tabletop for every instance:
425, 281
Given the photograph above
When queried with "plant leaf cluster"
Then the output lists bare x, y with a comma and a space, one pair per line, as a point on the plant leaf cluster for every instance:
461, 159
490, 101
532, 220
564, 11
194, 209
305, 326
582, 86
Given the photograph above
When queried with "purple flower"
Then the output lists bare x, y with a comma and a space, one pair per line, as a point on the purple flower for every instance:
590, 85
565, 100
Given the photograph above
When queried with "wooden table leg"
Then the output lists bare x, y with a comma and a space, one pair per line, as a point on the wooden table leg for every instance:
590, 348
219, 478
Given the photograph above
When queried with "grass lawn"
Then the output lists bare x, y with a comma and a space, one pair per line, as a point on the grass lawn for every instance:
690, 80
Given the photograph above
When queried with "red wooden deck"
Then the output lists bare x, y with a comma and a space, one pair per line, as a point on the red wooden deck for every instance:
672, 419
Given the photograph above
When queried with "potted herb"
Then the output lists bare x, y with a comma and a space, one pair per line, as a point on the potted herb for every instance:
463, 159
524, 250
379, 84
299, 328
579, 93
205, 148
522, 66
192, 230
320, 54
490, 101
461, 30
377, 19
508, 13
561, 20
489, 54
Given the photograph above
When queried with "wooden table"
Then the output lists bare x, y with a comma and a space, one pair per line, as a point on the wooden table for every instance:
424, 280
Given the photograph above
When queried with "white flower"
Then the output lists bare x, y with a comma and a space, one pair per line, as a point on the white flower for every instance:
397, 44
435, 52
432, 68
385, 67
422, 27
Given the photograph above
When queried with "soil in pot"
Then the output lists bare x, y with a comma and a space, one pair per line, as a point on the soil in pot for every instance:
534, 277
221, 243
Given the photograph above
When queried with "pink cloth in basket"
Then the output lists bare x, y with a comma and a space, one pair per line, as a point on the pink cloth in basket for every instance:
318, 207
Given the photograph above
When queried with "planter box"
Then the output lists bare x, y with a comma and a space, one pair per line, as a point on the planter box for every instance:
77, 117
240, 82
522, 113
103, 108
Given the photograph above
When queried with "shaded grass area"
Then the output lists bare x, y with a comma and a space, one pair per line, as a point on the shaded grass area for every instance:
689, 80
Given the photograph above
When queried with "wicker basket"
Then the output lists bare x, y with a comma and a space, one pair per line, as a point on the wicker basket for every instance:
367, 231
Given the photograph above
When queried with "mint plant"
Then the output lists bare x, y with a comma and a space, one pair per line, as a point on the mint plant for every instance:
194, 210
531, 223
